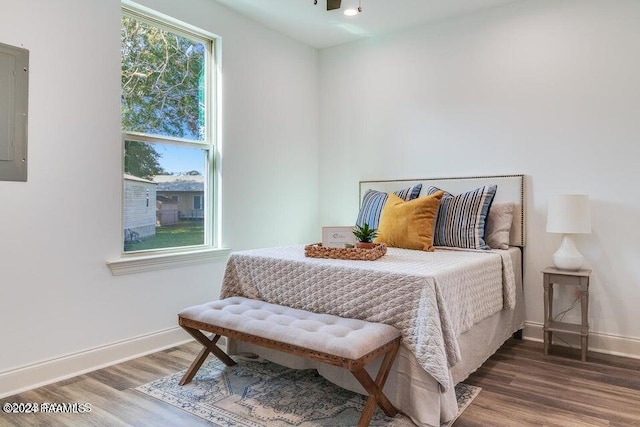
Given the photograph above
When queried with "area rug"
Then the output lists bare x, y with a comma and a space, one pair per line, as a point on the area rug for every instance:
257, 393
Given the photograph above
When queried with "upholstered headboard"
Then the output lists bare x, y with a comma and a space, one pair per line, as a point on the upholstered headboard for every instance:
510, 188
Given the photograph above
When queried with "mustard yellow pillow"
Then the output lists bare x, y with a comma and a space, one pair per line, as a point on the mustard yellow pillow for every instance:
409, 225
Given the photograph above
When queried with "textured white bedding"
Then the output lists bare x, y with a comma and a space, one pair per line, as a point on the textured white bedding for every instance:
431, 297
466, 288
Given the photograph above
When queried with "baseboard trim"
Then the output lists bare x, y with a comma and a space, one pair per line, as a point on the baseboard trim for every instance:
599, 342
39, 374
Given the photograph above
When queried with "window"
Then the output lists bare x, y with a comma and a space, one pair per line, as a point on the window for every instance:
168, 133
198, 202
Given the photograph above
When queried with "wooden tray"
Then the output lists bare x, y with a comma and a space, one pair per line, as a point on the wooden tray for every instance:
316, 250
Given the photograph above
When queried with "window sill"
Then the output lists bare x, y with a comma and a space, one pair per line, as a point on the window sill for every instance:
139, 264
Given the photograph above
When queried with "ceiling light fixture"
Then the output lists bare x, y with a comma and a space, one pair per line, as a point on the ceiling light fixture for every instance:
354, 12
335, 4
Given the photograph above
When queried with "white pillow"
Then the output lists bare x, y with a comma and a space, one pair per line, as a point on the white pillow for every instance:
496, 233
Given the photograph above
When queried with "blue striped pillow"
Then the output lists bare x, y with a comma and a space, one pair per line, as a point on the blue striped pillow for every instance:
373, 202
462, 218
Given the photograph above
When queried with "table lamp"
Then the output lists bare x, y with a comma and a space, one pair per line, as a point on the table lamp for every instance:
568, 214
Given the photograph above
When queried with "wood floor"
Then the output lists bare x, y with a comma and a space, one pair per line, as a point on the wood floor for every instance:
520, 387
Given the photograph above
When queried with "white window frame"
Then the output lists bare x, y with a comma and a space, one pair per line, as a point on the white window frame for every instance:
133, 262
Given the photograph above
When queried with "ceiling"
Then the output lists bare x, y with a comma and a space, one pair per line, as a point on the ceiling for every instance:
317, 27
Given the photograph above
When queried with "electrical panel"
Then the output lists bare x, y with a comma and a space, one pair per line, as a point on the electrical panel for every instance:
14, 97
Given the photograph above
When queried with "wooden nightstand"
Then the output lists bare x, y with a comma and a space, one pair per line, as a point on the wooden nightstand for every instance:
579, 278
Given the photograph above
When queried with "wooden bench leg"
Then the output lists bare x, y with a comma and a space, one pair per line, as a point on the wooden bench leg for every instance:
209, 346
375, 388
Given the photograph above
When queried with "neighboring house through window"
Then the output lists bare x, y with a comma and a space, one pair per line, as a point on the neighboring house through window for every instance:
168, 133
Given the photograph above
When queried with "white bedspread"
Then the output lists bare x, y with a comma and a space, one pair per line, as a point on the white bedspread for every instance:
431, 297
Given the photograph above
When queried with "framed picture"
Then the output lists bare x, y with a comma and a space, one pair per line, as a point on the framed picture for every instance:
338, 237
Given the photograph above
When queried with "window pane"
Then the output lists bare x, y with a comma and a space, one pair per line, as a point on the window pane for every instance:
162, 82
161, 185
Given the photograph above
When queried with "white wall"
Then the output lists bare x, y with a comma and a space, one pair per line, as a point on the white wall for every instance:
57, 296
547, 88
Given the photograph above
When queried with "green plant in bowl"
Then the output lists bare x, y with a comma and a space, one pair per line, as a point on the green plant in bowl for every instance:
365, 235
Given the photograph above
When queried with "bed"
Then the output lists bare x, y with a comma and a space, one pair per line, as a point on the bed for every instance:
455, 307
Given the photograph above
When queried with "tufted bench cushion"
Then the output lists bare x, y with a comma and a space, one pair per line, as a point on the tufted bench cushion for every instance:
349, 343
347, 338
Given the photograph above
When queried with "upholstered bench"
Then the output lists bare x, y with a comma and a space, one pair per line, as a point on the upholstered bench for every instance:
349, 343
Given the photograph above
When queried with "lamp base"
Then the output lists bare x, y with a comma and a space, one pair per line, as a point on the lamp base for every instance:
567, 257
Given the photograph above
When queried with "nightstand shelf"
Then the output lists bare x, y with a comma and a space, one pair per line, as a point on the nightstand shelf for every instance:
580, 279
569, 328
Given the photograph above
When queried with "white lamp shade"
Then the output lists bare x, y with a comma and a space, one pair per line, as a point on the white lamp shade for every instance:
569, 213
